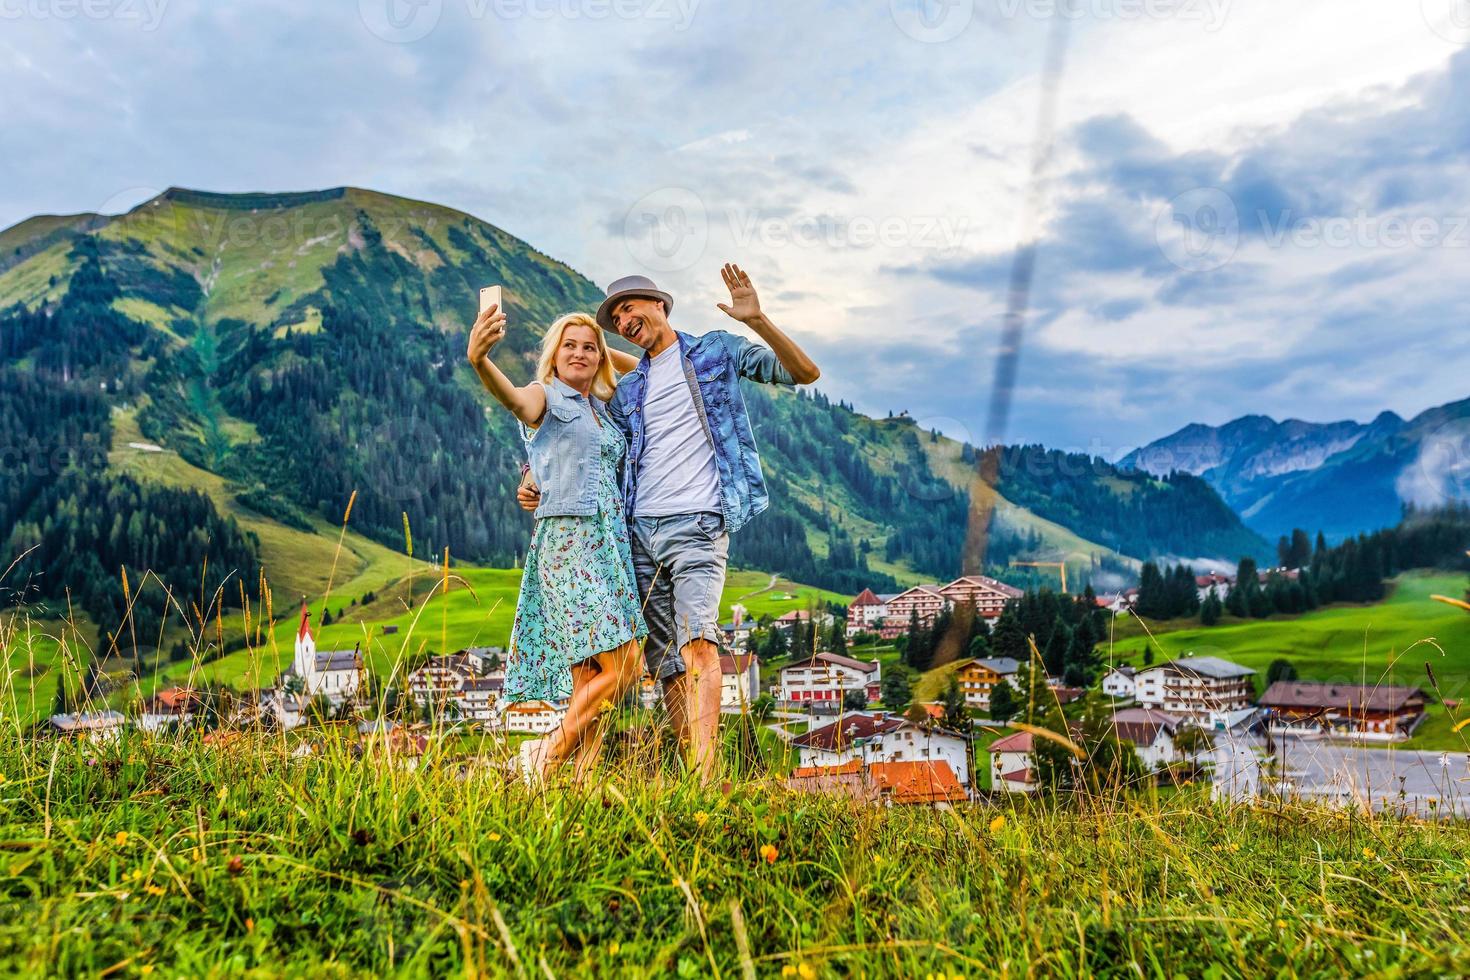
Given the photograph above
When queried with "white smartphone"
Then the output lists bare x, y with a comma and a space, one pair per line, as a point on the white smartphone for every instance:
492, 296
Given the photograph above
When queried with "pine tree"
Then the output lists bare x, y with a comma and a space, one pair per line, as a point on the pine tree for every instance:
1151, 600
1211, 609
1008, 639
1055, 654
1003, 704
896, 689
956, 714
1280, 669
979, 648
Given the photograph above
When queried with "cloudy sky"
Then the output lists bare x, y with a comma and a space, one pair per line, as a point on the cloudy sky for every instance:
1250, 207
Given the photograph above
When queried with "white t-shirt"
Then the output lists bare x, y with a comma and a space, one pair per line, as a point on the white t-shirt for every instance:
677, 473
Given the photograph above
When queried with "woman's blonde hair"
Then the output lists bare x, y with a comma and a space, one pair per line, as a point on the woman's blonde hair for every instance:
604, 383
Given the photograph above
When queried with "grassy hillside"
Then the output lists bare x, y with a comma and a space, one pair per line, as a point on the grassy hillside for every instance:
1387, 643
249, 863
297, 562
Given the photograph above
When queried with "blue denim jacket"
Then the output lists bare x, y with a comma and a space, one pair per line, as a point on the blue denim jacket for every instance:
713, 365
563, 451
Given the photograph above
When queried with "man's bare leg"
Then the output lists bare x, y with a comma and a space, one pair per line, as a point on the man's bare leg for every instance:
676, 703
702, 704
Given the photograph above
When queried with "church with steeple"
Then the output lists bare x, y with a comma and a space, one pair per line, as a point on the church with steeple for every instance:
334, 674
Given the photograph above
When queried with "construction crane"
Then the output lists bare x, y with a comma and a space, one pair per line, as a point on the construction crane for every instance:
1047, 564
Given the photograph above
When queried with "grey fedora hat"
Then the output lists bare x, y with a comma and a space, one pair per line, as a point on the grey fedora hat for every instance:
630, 286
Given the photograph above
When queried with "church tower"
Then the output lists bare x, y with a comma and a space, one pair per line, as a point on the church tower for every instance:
304, 663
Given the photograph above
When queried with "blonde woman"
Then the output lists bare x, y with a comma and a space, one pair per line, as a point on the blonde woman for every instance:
578, 620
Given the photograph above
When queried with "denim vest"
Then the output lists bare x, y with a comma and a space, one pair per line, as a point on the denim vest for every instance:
713, 366
564, 452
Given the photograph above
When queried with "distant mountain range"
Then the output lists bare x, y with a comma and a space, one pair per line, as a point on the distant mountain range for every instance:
1337, 477
279, 352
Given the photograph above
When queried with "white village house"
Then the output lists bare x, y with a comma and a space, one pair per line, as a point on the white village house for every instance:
478, 699
1207, 690
1120, 683
537, 717
1151, 732
1010, 764
823, 679
94, 726
740, 679
866, 613
880, 737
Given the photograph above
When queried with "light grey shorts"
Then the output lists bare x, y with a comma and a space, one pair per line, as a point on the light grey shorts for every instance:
680, 565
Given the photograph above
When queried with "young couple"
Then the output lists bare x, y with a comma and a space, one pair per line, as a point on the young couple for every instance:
639, 482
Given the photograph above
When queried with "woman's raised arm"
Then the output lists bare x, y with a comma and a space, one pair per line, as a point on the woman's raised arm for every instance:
527, 404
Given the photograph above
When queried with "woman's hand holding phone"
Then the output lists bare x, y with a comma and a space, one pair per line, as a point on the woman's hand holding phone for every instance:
489, 330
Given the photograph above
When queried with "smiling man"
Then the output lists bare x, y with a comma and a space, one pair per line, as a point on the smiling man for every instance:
692, 478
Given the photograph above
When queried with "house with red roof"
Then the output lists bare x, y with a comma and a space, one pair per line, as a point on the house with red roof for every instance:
875, 737
915, 783
1370, 712
1011, 764
172, 708
866, 613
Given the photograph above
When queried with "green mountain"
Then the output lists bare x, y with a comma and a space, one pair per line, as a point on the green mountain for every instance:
246, 363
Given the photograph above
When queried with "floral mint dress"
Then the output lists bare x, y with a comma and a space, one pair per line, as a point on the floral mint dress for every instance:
578, 594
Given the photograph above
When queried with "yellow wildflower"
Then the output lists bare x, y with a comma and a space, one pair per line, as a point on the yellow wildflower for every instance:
998, 823
614, 948
494, 836
806, 972
769, 852
154, 890
788, 970
121, 838
701, 818
1368, 852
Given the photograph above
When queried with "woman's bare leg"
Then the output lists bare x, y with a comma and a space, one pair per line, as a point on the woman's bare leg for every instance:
617, 671
590, 746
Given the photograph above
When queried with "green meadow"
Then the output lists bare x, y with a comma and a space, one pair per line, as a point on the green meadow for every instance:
476, 609
155, 857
